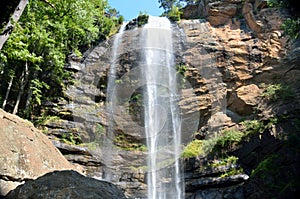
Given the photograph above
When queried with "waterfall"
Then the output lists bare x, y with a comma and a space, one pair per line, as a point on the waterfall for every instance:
152, 83
161, 113
108, 140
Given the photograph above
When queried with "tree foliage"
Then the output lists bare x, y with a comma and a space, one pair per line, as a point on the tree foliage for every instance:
172, 7
167, 4
291, 26
10, 25
174, 14
7, 7
47, 32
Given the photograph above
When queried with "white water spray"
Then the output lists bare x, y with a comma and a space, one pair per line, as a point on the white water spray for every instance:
108, 140
156, 79
162, 118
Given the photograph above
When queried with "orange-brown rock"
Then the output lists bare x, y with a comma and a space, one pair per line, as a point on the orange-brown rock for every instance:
221, 12
25, 153
245, 99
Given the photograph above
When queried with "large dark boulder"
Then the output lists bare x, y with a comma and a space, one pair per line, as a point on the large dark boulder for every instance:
66, 184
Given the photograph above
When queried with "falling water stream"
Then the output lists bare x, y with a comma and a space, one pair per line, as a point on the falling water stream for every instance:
108, 143
162, 121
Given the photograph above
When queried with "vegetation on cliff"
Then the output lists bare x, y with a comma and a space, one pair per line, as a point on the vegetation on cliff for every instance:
291, 25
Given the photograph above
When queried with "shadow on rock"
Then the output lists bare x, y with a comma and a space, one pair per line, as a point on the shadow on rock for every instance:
66, 184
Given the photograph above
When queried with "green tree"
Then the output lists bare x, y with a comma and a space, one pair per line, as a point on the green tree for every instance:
14, 18
168, 4
172, 7
33, 58
174, 14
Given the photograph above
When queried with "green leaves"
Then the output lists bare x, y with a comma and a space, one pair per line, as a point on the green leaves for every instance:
47, 32
37, 90
17, 47
229, 137
172, 8
142, 19
193, 149
174, 14
273, 92
291, 27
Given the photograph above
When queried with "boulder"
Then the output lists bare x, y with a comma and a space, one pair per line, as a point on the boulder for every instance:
66, 184
25, 153
218, 121
245, 99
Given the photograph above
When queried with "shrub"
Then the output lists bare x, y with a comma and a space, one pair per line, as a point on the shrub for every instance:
275, 3
174, 14
291, 27
270, 91
252, 127
181, 69
229, 137
266, 167
225, 161
142, 19
273, 92
232, 171
193, 149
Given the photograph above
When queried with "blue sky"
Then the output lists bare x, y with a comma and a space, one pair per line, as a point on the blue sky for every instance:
131, 8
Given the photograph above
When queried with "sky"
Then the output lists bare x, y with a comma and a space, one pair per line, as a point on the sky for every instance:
130, 9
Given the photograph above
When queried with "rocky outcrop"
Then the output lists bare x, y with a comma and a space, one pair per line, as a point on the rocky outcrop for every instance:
236, 53
205, 180
225, 56
222, 12
83, 156
25, 153
248, 48
246, 98
66, 184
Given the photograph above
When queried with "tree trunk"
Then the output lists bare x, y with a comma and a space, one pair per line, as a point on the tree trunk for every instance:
29, 95
7, 92
24, 80
13, 19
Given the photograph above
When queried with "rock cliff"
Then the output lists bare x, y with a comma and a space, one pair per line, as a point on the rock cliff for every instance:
232, 55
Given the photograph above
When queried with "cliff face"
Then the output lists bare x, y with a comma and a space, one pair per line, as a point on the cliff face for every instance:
244, 48
233, 58
241, 50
